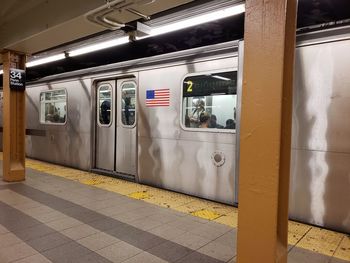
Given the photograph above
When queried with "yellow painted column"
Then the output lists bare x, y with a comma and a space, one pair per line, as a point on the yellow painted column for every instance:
13, 117
269, 44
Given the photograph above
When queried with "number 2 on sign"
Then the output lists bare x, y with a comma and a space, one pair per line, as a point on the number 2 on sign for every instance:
190, 84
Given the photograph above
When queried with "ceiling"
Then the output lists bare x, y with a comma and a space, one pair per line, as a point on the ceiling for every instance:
34, 25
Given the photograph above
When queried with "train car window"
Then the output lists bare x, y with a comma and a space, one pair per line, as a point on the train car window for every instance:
209, 101
53, 107
128, 103
104, 94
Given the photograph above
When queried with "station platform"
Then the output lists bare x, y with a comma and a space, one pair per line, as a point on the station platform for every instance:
61, 214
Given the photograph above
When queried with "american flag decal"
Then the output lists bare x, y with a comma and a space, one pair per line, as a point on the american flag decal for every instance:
158, 97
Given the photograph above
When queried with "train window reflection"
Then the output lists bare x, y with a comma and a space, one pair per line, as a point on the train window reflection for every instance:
53, 107
128, 103
209, 101
104, 98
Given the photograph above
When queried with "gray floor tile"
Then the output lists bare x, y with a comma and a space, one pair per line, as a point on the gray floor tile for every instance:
196, 257
34, 259
16, 252
128, 216
33, 232
142, 240
114, 210
49, 242
167, 232
79, 231
234, 260
3, 230
145, 223
228, 239
49, 217
218, 251
105, 223
209, 232
191, 240
98, 205
82, 214
8, 239
38, 210
163, 217
62, 224
299, 255
197, 219
170, 251
92, 258
119, 252
98, 241
146, 258
27, 206
67, 253
185, 224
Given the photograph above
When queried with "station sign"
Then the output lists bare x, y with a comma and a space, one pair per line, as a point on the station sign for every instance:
17, 79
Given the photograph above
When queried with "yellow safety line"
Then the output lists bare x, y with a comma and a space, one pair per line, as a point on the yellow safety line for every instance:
300, 235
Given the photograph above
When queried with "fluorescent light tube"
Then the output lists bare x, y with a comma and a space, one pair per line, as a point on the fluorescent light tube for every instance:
45, 60
220, 77
98, 46
220, 14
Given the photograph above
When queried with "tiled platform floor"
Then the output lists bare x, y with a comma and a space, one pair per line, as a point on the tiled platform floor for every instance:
53, 219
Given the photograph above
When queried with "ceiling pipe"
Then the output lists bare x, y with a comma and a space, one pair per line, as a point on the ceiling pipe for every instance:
100, 15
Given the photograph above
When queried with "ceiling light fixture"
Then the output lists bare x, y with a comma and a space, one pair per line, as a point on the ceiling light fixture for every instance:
45, 60
98, 46
197, 20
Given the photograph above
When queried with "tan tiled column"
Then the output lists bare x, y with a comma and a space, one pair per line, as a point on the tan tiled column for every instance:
13, 121
266, 130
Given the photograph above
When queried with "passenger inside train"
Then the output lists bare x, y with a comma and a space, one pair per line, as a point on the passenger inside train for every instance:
213, 122
204, 120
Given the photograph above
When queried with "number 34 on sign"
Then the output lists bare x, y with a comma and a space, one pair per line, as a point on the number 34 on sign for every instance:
17, 79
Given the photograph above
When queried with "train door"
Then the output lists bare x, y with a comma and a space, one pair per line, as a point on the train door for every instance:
125, 144
116, 127
105, 125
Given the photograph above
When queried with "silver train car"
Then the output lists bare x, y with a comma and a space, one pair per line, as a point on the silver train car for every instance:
151, 120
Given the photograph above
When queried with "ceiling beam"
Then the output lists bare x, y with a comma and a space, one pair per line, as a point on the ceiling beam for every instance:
41, 16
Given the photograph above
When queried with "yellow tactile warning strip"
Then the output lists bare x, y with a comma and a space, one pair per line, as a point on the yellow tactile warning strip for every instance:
321, 241
300, 235
343, 251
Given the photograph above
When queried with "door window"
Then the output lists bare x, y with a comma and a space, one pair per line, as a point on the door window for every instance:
128, 103
104, 97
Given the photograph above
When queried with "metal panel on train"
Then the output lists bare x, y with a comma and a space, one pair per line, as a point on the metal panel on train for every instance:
179, 159
69, 143
320, 175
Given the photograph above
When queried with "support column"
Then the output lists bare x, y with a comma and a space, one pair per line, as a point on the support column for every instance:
266, 130
13, 120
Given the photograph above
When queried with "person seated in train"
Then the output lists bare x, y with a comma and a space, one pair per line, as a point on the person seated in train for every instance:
204, 120
230, 124
213, 123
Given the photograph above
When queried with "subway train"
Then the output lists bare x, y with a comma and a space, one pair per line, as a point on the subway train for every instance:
172, 121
